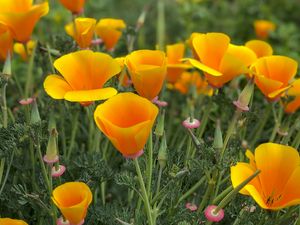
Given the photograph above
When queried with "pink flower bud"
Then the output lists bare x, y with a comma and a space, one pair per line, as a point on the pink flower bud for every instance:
213, 216
58, 172
26, 101
191, 206
191, 124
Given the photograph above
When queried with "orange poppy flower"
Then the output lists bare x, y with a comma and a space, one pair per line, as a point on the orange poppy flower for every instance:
190, 43
83, 31
261, 48
293, 105
126, 119
75, 6
277, 186
273, 73
73, 200
83, 75
147, 69
174, 65
219, 60
21, 16
110, 31
8, 221
19, 48
188, 79
6, 42
263, 28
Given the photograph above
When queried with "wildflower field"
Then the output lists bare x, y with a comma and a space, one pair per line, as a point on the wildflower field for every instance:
149, 112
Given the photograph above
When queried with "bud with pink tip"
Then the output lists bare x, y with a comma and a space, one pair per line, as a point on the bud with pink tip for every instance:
212, 215
191, 123
58, 171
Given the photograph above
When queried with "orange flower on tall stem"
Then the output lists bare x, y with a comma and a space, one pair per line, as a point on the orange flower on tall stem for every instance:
73, 200
218, 59
126, 119
82, 31
273, 74
83, 75
110, 31
148, 71
175, 67
277, 186
6, 42
75, 6
263, 28
8, 221
21, 17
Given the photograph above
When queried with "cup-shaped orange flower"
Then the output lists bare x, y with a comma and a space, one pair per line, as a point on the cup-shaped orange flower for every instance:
293, 105
8, 221
148, 71
73, 200
273, 73
24, 50
82, 31
277, 186
189, 79
83, 75
261, 48
75, 6
175, 67
126, 119
6, 42
263, 28
21, 17
110, 31
218, 59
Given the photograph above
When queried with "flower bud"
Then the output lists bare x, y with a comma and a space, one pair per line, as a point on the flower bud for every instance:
218, 139
52, 152
159, 130
35, 115
163, 153
245, 97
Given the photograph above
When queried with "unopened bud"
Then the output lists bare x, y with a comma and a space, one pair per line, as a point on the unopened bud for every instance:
35, 115
218, 139
159, 130
163, 153
52, 152
245, 97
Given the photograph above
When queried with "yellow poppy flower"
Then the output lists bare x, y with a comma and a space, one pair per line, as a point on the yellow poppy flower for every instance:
261, 48
75, 6
19, 48
83, 75
175, 67
8, 221
273, 73
6, 42
263, 28
21, 16
277, 186
73, 200
147, 69
82, 32
219, 60
187, 79
126, 119
110, 31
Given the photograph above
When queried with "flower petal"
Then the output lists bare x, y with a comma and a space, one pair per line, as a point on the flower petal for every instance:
292, 106
261, 48
203, 67
56, 87
90, 95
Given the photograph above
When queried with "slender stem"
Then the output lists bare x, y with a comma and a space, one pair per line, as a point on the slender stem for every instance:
209, 190
296, 141
204, 120
191, 190
144, 192
73, 135
149, 164
2, 164
4, 105
29, 79
222, 195
158, 180
7, 171
188, 151
161, 23
278, 119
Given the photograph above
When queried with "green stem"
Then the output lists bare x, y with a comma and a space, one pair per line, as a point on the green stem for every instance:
2, 164
188, 152
191, 190
278, 119
7, 172
158, 180
222, 195
29, 79
4, 105
73, 135
204, 119
144, 192
149, 164
296, 141
209, 190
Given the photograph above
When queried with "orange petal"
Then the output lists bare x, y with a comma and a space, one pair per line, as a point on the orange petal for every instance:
267, 85
261, 48
73, 199
75, 6
90, 95
56, 87
86, 70
22, 24
292, 106
175, 53
295, 88
277, 163
8, 221
126, 119
17, 6
6, 42
203, 67
211, 48
263, 28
